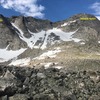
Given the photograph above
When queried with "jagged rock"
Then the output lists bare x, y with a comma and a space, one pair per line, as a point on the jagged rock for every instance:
27, 81
8, 36
41, 75
7, 87
8, 84
8, 75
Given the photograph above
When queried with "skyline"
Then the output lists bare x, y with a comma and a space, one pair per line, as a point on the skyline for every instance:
49, 9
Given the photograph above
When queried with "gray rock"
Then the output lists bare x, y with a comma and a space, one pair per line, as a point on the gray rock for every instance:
8, 75
19, 97
4, 98
41, 75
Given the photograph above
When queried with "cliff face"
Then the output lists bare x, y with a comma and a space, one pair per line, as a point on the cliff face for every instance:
8, 36
17, 30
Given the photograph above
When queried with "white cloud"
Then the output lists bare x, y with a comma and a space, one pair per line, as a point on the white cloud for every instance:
96, 7
25, 7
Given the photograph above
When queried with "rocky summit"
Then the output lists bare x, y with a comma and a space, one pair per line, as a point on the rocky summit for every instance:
44, 60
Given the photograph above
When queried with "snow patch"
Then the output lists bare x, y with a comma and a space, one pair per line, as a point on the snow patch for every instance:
65, 24
68, 23
47, 65
6, 55
76, 40
20, 62
64, 36
72, 21
50, 64
51, 54
98, 17
82, 43
58, 67
98, 54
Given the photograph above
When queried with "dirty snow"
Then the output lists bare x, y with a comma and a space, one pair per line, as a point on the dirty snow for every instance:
68, 23
83, 43
58, 67
47, 65
50, 65
21, 62
50, 53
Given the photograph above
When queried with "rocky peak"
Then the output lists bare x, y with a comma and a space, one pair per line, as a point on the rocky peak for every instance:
8, 35
20, 22
87, 25
81, 15
36, 25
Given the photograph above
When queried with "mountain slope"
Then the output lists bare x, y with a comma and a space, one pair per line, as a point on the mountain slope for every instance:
32, 38
8, 36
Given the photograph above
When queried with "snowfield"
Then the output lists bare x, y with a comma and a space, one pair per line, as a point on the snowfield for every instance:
43, 36
6, 55
26, 61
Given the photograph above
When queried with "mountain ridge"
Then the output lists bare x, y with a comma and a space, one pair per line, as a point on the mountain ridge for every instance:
31, 38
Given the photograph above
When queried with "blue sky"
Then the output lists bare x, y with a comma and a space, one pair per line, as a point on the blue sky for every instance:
53, 10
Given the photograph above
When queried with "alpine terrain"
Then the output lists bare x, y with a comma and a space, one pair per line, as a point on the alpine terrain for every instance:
44, 60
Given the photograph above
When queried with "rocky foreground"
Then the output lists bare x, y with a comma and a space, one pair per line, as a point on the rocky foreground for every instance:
48, 84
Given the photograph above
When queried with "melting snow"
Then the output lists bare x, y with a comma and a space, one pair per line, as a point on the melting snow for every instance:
30, 41
82, 42
72, 21
68, 23
20, 62
76, 40
51, 54
98, 17
43, 36
50, 64
46, 65
58, 67
65, 36
6, 55
65, 24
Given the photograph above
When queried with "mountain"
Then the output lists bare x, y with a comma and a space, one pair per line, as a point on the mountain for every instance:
27, 41
8, 36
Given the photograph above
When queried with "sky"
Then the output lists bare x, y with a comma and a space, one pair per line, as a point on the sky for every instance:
54, 10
